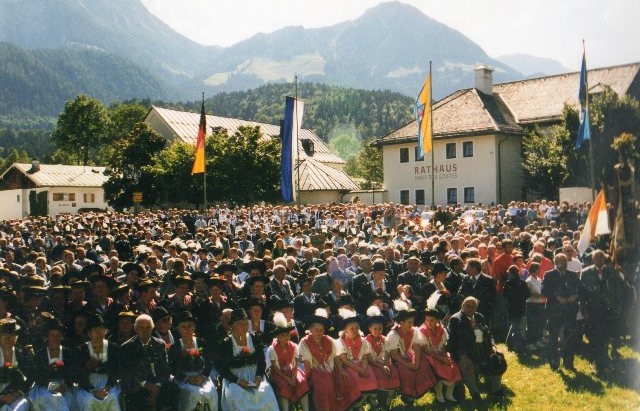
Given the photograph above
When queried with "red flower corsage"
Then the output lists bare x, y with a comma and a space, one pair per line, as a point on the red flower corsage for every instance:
194, 352
245, 351
8, 365
57, 364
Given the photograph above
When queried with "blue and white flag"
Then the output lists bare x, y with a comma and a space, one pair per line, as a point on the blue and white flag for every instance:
289, 154
584, 131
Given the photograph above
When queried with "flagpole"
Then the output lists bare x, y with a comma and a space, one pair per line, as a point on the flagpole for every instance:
297, 152
204, 175
591, 160
433, 145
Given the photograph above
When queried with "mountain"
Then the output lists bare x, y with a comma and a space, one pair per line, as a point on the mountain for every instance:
120, 27
533, 66
39, 82
388, 47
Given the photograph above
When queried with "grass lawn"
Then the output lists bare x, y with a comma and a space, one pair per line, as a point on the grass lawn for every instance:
531, 385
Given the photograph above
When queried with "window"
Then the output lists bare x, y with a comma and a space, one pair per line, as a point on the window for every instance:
420, 197
469, 195
64, 196
89, 197
404, 197
404, 155
451, 150
452, 196
467, 149
417, 154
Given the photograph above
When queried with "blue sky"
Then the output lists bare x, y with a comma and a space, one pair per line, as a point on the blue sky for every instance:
543, 28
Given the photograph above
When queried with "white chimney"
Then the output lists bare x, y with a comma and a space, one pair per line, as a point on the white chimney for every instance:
35, 166
484, 79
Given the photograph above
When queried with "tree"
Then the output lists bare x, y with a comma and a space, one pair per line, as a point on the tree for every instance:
545, 163
82, 128
131, 159
243, 167
14, 156
550, 159
367, 165
123, 117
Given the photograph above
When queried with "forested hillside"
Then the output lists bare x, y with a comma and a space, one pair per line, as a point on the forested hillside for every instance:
36, 83
327, 108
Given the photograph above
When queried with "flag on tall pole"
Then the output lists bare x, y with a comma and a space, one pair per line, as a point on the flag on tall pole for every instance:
584, 131
198, 162
422, 111
597, 223
289, 153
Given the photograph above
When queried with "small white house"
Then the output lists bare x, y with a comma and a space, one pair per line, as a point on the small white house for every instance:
50, 189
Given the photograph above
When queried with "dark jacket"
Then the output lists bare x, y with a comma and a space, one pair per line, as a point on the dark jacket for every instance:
303, 310
82, 368
16, 375
516, 293
43, 373
601, 298
555, 285
143, 363
182, 362
484, 290
228, 361
462, 338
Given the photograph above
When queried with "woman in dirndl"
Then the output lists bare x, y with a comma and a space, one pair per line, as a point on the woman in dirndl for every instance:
52, 372
318, 353
96, 370
242, 367
190, 367
13, 383
435, 338
384, 370
404, 343
353, 352
289, 381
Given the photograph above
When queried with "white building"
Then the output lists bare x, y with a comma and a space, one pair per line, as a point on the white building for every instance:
46, 189
477, 136
321, 176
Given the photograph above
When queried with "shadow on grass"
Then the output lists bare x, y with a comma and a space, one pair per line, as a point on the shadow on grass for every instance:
530, 360
580, 382
625, 372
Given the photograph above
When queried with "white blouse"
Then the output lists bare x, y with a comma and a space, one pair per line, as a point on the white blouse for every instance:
395, 342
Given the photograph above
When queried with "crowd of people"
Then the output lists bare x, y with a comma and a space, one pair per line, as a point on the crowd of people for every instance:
325, 307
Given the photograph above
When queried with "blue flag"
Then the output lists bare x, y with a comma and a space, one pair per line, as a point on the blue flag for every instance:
584, 131
291, 128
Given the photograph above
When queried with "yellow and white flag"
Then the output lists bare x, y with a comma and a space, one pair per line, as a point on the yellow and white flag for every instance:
597, 223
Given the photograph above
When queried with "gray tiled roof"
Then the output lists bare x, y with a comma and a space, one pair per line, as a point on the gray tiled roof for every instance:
314, 175
56, 175
185, 127
515, 104
543, 98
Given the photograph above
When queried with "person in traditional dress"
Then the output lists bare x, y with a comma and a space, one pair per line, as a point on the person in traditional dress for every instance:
354, 352
52, 372
242, 367
289, 381
384, 370
435, 337
471, 345
191, 366
404, 342
97, 370
13, 383
318, 352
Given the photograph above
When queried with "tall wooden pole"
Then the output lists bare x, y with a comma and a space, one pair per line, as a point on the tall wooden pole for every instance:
204, 175
591, 159
433, 143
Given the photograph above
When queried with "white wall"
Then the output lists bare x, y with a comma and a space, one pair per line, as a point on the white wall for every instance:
576, 194
479, 171
11, 204
71, 207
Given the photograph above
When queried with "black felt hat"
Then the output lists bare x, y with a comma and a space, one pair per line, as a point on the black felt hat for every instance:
9, 326
238, 314
95, 321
